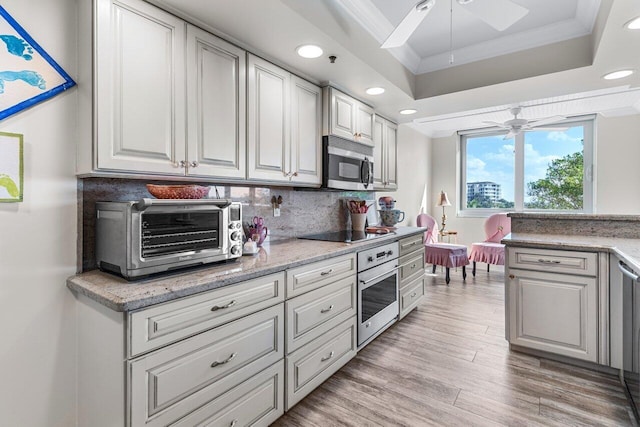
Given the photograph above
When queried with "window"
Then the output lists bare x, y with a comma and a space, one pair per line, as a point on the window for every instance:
546, 169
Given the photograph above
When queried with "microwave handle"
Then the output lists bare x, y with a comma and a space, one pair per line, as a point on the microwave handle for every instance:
365, 172
146, 203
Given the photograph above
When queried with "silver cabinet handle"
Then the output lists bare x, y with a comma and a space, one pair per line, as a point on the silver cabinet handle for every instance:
413, 266
548, 261
324, 273
627, 272
180, 164
413, 295
326, 310
330, 356
227, 360
194, 164
233, 423
220, 307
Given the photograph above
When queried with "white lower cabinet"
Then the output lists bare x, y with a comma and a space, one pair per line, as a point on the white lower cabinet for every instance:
411, 295
312, 364
551, 311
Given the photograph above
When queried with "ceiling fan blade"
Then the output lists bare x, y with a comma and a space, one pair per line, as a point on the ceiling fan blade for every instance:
548, 129
511, 134
403, 31
502, 125
500, 14
545, 121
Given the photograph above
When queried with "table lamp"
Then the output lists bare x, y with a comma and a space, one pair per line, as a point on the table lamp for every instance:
443, 201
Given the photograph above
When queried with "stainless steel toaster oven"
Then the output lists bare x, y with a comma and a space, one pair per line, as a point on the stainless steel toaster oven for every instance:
139, 238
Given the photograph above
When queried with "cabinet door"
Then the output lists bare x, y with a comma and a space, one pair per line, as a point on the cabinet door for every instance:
140, 91
554, 312
306, 132
216, 81
391, 150
378, 157
365, 120
268, 121
343, 115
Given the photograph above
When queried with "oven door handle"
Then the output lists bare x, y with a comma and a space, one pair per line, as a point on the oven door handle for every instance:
145, 203
627, 272
386, 273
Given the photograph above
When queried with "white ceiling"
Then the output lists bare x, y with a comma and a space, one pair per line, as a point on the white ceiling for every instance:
428, 49
559, 71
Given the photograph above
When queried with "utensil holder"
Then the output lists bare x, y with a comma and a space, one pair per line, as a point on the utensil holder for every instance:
358, 221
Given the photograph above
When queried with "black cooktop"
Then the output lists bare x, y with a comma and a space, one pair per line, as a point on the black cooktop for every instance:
346, 236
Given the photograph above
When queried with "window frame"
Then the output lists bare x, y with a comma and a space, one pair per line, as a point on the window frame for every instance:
589, 177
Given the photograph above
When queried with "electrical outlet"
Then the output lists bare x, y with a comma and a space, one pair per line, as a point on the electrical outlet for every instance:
276, 212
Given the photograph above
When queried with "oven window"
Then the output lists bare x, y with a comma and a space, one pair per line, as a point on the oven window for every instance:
170, 233
377, 297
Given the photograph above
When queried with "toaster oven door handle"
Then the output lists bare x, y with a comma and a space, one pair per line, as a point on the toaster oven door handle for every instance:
146, 203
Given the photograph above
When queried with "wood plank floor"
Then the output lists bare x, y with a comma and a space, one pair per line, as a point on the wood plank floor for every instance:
448, 364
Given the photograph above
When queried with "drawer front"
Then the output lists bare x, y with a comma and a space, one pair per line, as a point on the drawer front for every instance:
259, 401
411, 267
411, 296
583, 263
157, 326
172, 382
308, 367
315, 313
312, 276
411, 244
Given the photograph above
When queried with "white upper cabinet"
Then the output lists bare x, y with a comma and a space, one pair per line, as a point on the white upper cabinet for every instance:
284, 122
269, 140
140, 90
385, 153
216, 106
306, 132
347, 117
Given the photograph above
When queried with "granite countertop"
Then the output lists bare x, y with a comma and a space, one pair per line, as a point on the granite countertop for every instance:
573, 216
626, 249
119, 294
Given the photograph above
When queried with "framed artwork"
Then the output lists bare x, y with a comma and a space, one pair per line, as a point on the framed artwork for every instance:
11, 167
28, 75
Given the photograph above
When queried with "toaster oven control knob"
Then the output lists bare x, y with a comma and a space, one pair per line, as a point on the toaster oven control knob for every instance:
232, 226
235, 250
236, 235
370, 259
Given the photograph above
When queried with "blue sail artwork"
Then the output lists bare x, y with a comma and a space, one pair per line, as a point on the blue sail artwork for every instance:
28, 75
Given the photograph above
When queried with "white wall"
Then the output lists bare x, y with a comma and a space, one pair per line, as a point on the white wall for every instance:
38, 241
616, 166
414, 161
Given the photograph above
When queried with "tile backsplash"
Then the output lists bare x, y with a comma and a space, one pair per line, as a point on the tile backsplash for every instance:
302, 211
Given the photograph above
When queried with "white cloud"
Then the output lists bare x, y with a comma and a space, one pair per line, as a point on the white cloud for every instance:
562, 137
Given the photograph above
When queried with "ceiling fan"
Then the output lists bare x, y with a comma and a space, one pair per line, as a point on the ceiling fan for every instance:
500, 14
516, 125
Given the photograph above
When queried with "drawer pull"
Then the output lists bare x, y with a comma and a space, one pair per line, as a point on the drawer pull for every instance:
324, 273
413, 295
233, 423
413, 266
330, 356
220, 307
549, 261
227, 360
326, 310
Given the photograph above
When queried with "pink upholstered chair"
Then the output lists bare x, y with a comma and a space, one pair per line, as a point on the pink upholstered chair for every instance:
444, 254
491, 250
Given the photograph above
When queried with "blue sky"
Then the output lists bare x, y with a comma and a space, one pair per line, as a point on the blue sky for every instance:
491, 158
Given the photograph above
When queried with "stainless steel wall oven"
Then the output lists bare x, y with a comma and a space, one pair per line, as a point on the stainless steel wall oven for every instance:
378, 305
630, 374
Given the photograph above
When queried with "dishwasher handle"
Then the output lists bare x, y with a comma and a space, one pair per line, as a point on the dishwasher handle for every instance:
627, 272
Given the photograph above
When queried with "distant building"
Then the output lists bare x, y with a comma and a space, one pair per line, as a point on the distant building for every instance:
490, 190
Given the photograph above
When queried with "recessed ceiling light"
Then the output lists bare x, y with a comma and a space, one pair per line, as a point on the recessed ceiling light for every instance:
408, 111
634, 24
375, 91
309, 51
617, 74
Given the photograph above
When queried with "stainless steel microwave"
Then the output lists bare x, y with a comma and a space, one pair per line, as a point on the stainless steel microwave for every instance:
139, 238
347, 165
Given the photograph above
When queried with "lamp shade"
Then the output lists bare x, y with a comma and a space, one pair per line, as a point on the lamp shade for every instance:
443, 200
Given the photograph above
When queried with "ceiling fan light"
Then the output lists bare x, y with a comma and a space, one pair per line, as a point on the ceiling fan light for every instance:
617, 74
309, 51
408, 111
375, 91
634, 24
